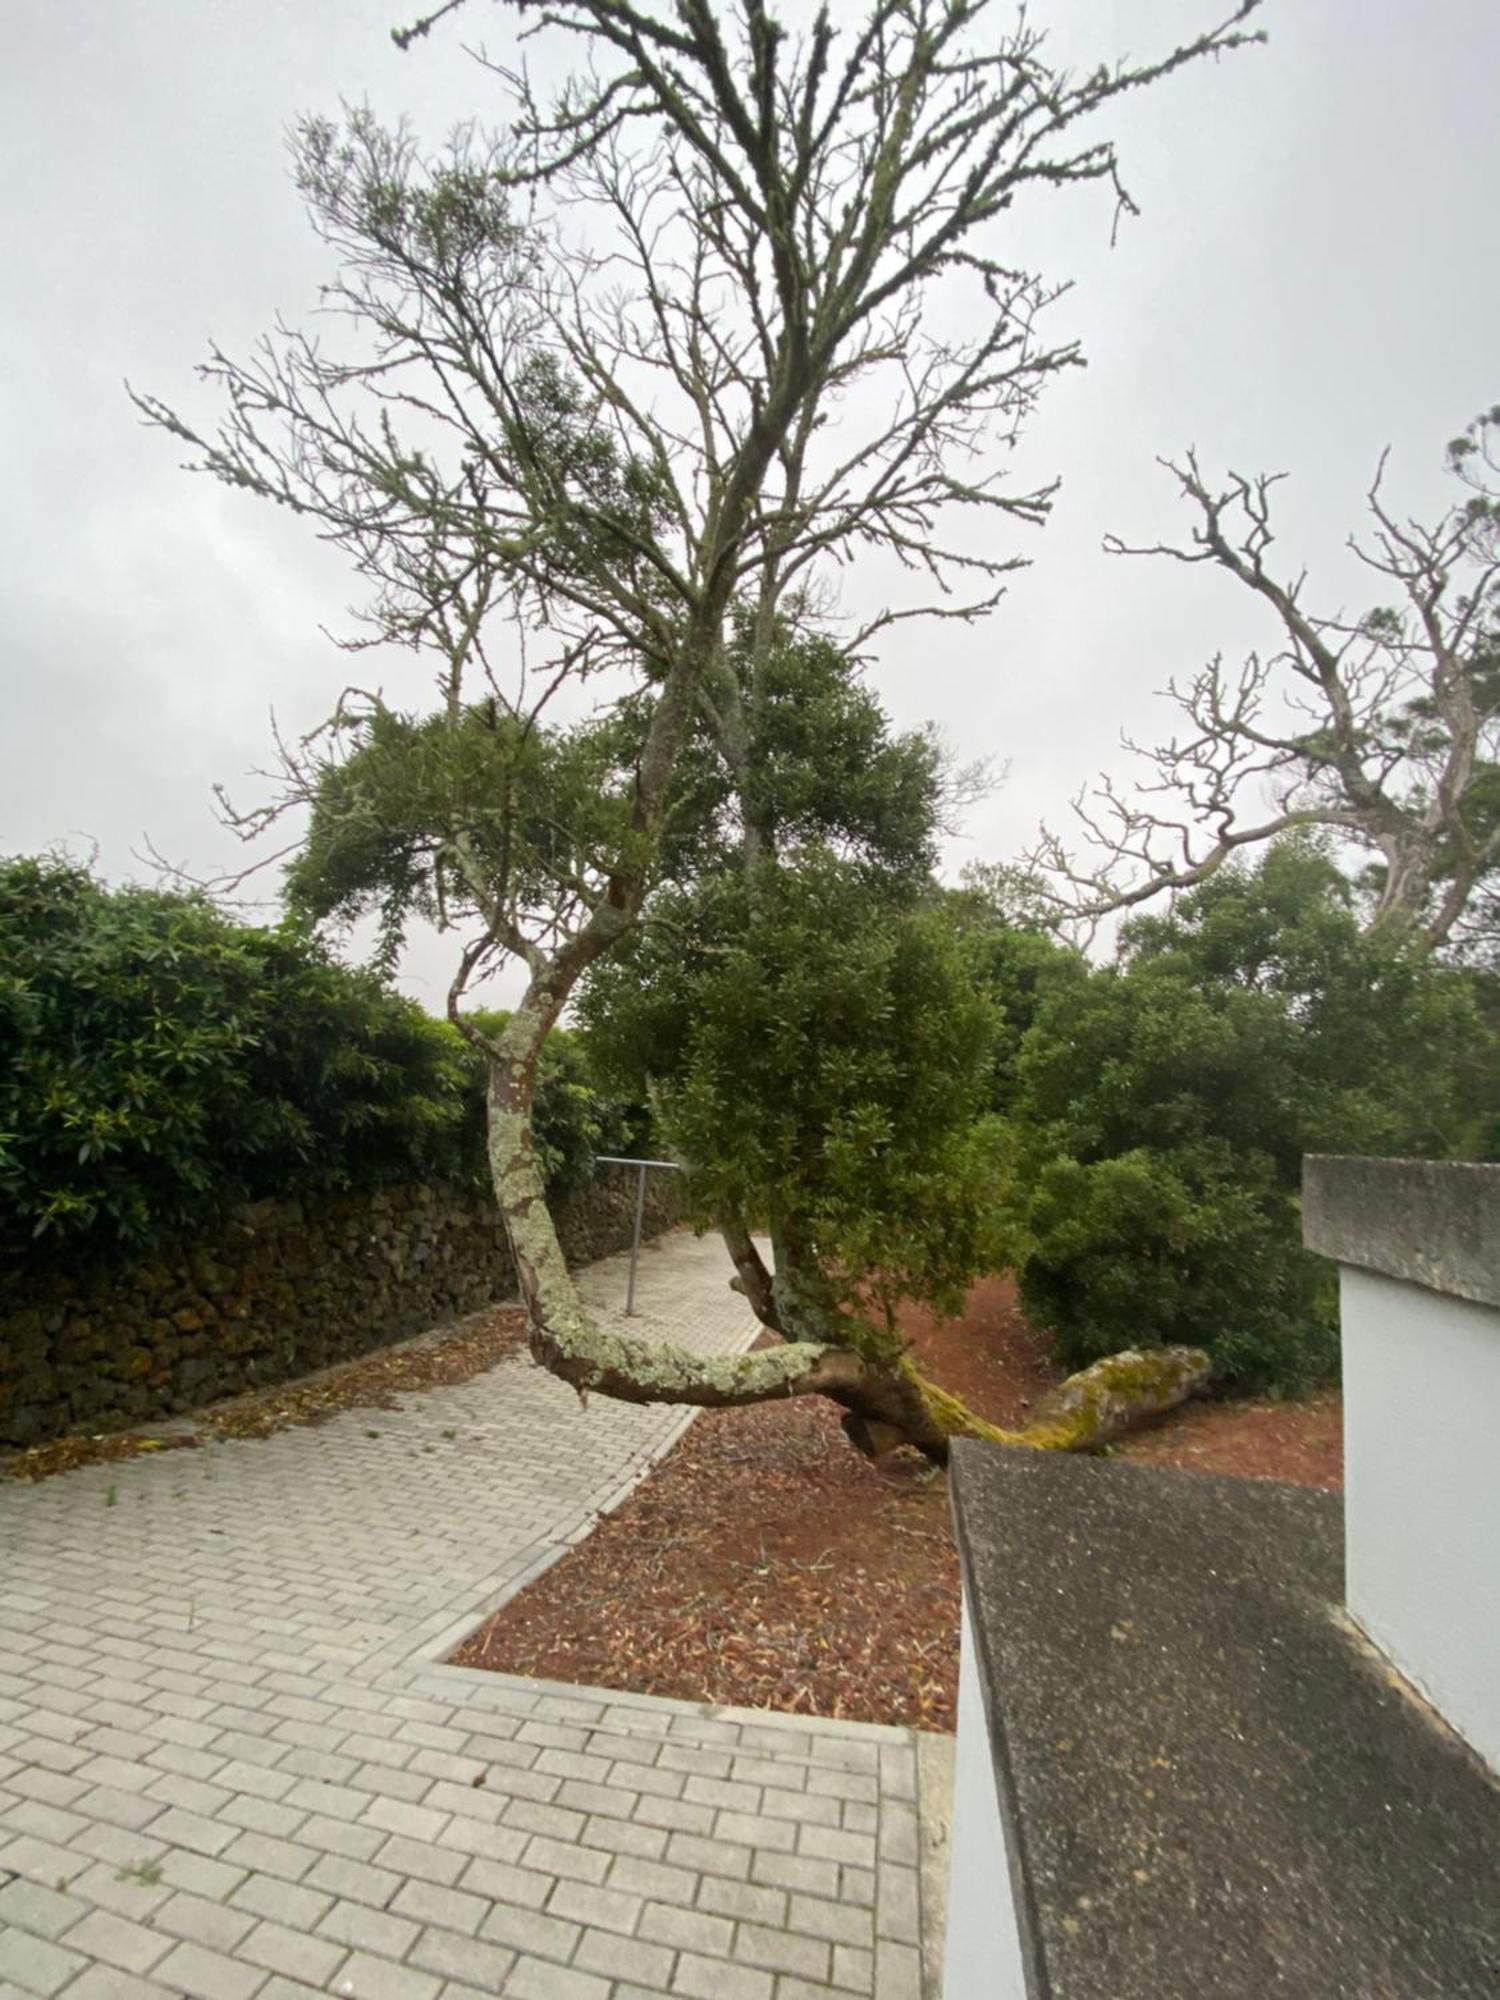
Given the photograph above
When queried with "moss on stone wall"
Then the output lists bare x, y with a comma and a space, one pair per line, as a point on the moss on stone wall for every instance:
284, 1288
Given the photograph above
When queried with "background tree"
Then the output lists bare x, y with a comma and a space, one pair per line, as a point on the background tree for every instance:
1161, 1107
1384, 730
737, 371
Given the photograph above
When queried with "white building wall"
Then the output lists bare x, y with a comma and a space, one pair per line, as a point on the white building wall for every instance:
983, 1958
1422, 1492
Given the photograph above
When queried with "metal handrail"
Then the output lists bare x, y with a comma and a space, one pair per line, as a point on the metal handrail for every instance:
615, 1160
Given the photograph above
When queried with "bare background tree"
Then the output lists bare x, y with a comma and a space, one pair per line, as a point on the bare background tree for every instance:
1382, 730
671, 350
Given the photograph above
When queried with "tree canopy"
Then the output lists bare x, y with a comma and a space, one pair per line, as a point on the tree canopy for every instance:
1162, 1106
806, 1020
608, 395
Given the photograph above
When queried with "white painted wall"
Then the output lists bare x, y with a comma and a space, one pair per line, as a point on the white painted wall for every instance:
1422, 1492
983, 1959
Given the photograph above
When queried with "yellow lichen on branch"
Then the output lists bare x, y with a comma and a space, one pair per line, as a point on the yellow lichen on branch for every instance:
1114, 1395
954, 1418
1089, 1409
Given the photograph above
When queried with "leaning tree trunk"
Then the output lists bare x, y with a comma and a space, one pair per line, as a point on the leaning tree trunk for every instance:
751, 1278
885, 1404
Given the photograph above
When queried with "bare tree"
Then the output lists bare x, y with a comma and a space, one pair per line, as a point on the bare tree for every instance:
1382, 730
682, 342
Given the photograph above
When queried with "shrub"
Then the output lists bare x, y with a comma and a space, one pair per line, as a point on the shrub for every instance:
158, 1060
1197, 1245
1162, 1108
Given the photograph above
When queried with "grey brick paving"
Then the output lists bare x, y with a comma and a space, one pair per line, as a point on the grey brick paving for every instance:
234, 1767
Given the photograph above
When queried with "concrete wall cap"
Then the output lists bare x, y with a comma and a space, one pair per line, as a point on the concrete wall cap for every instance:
1434, 1223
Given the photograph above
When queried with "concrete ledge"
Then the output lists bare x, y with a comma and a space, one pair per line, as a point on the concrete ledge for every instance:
1208, 1783
1434, 1223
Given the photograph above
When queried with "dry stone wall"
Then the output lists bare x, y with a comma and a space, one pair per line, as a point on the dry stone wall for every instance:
283, 1288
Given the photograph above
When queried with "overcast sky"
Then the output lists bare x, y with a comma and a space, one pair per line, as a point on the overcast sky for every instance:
1314, 277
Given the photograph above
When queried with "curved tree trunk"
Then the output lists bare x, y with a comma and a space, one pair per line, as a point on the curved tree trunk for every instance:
885, 1405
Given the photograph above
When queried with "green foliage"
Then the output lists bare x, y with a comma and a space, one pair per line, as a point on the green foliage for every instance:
1164, 1105
825, 767
823, 770
1014, 961
820, 1059
807, 1023
402, 806
1195, 1244
158, 1060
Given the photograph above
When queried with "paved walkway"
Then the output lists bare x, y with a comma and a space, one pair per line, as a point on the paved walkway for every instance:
233, 1767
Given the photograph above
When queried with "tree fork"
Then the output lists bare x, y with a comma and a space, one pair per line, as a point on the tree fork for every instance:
752, 1280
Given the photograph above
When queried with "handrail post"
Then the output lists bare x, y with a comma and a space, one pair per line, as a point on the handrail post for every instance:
635, 1240
642, 1167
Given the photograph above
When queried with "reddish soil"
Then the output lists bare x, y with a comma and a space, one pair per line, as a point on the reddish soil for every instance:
1302, 1442
764, 1563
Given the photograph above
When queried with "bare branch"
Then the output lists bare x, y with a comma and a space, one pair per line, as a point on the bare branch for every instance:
1391, 728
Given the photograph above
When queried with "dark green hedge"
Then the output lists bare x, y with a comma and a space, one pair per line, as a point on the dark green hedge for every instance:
160, 1062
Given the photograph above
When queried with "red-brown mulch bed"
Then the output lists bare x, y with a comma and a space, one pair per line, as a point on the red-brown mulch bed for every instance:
765, 1564
1256, 1438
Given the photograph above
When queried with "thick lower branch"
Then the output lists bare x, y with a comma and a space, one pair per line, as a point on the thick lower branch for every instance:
885, 1403
1091, 1408
883, 1407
